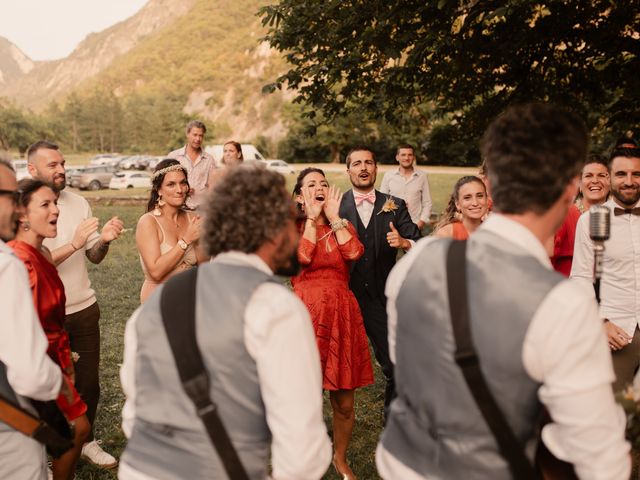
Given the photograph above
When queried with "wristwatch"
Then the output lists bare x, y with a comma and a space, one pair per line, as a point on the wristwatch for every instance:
182, 244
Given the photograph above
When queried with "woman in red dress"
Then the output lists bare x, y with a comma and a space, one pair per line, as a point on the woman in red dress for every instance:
327, 246
37, 221
466, 209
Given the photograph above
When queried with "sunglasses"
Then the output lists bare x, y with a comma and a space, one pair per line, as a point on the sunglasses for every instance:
15, 195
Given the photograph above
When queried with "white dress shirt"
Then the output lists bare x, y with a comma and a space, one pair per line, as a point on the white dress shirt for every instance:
279, 336
564, 349
23, 344
620, 282
414, 190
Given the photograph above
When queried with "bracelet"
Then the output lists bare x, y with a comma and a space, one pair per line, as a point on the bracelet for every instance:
338, 224
74, 247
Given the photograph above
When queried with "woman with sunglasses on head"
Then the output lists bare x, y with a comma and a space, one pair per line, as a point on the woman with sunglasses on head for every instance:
167, 235
37, 220
328, 244
465, 211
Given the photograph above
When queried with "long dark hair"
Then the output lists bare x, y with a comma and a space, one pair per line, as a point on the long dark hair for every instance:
27, 187
156, 182
449, 214
297, 189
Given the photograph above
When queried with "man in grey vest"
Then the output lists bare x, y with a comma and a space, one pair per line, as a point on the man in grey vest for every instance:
256, 341
538, 336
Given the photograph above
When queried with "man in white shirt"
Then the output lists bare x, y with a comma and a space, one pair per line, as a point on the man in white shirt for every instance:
537, 335
409, 184
77, 238
196, 161
256, 339
25, 368
619, 292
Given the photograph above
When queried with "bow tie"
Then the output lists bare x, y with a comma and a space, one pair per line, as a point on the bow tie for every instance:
622, 211
368, 197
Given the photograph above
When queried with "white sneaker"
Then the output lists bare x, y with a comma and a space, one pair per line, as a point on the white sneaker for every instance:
94, 453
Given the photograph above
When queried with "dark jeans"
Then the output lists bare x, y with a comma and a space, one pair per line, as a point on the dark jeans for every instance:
84, 335
374, 314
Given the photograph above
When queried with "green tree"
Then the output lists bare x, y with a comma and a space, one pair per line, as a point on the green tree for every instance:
470, 58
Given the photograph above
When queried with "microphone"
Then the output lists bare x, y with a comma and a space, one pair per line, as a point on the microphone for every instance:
599, 231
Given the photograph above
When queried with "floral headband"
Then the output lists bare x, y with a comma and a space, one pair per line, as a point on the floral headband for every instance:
171, 168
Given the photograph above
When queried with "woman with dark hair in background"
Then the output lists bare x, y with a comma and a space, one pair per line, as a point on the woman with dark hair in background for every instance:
327, 246
38, 220
167, 235
466, 209
232, 153
231, 157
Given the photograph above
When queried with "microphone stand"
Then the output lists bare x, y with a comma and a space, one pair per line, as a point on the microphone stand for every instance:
598, 254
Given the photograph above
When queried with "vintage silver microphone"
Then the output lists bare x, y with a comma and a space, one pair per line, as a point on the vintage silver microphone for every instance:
599, 231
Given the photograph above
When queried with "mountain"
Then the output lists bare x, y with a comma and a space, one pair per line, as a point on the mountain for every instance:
13, 62
205, 53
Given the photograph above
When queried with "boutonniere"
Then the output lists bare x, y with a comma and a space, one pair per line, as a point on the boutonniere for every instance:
389, 206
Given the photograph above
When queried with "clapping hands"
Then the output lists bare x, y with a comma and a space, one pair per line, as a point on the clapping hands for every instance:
112, 230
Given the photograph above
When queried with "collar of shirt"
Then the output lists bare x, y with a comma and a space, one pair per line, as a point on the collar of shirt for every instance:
246, 259
5, 248
518, 234
413, 174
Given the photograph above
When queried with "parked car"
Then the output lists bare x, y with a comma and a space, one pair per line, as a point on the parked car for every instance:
279, 166
93, 178
121, 180
20, 166
249, 152
105, 159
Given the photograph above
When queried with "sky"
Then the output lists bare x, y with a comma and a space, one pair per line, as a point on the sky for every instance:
51, 29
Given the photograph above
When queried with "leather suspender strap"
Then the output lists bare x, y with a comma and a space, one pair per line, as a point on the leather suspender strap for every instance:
468, 361
177, 304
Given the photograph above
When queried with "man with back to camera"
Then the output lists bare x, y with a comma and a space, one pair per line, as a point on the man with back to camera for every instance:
196, 161
263, 361
538, 335
409, 184
25, 368
384, 226
619, 293
77, 238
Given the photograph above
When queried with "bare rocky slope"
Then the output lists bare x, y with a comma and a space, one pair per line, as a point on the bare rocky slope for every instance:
206, 52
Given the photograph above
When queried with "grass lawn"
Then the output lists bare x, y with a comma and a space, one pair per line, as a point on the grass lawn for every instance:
117, 282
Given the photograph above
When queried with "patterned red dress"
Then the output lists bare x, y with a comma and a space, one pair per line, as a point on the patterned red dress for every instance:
323, 286
49, 300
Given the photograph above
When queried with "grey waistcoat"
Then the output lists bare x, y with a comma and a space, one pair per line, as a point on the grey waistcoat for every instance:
435, 427
168, 439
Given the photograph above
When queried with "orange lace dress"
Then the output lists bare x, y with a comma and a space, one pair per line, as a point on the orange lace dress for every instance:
323, 286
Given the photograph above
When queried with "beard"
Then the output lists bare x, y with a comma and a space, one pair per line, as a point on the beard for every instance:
626, 200
291, 268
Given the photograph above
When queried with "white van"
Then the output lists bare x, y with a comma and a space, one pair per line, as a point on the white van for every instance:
249, 152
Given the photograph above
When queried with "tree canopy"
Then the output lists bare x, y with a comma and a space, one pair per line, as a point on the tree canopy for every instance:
468, 60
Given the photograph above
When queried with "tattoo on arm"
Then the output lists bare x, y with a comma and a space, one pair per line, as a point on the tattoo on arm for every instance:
97, 253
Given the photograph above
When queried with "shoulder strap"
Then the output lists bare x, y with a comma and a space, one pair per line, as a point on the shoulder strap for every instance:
177, 304
468, 361
164, 237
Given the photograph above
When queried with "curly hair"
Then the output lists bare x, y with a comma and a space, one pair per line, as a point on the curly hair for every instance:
248, 207
532, 152
449, 214
156, 183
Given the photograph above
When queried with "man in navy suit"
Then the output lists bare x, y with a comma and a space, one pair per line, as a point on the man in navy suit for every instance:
384, 225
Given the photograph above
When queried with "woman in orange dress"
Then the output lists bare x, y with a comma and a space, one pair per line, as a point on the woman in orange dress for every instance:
37, 221
466, 209
327, 246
